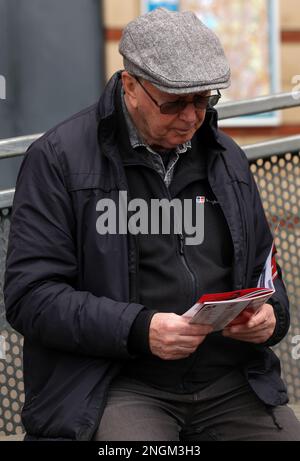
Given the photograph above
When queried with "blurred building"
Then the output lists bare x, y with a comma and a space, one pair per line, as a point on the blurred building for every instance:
51, 60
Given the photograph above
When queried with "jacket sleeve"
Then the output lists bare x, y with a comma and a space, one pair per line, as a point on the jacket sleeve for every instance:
41, 299
264, 239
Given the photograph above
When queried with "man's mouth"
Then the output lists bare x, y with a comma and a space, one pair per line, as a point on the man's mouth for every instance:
184, 131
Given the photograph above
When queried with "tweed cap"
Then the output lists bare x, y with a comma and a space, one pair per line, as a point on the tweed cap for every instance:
175, 52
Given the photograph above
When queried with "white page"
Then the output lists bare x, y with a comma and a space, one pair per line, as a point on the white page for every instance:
266, 280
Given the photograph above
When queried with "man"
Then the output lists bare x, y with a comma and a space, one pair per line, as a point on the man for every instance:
107, 353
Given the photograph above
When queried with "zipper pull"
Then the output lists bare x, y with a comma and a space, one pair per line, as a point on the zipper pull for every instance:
181, 244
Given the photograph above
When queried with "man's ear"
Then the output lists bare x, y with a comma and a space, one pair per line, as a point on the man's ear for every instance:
130, 88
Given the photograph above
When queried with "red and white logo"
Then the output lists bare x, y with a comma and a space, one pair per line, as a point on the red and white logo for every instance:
200, 199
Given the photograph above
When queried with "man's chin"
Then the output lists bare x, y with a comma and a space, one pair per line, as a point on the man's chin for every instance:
173, 142
181, 138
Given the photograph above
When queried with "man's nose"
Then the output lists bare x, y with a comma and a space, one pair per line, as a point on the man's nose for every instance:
189, 113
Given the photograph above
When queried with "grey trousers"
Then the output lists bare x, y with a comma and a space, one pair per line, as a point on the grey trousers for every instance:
226, 410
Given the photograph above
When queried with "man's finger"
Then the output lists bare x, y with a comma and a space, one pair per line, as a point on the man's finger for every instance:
259, 319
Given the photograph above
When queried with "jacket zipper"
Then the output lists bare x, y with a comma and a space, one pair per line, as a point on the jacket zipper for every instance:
181, 250
184, 261
180, 236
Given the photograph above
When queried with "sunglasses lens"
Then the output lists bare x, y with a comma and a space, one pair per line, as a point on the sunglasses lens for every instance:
200, 102
172, 108
213, 100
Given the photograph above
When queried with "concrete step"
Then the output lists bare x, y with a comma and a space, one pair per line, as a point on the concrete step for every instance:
12, 438
296, 408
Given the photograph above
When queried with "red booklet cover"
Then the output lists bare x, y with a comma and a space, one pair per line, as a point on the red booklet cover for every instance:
219, 309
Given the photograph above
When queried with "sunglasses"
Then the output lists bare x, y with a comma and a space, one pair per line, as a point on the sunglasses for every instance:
174, 107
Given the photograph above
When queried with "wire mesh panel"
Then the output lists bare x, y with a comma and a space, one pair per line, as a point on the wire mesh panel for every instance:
11, 374
278, 179
11, 384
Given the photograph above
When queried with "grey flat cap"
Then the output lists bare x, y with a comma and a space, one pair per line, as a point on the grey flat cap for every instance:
175, 52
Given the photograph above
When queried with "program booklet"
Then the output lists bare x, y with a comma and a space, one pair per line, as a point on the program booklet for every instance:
219, 309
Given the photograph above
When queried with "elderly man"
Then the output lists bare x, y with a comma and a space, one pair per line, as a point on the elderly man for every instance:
107, 352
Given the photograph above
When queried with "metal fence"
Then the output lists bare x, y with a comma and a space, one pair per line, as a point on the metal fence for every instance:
276, 167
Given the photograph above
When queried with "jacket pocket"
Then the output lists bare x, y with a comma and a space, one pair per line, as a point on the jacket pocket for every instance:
71, 399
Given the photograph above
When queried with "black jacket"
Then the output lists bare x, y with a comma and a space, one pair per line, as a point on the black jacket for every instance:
71, 292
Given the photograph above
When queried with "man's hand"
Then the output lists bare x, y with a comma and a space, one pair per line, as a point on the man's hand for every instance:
172, 337
254, 328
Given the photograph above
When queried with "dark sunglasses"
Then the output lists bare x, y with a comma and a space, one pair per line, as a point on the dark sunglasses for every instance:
174, 107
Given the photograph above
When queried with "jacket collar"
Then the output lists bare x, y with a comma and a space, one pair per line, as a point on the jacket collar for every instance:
106, 105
